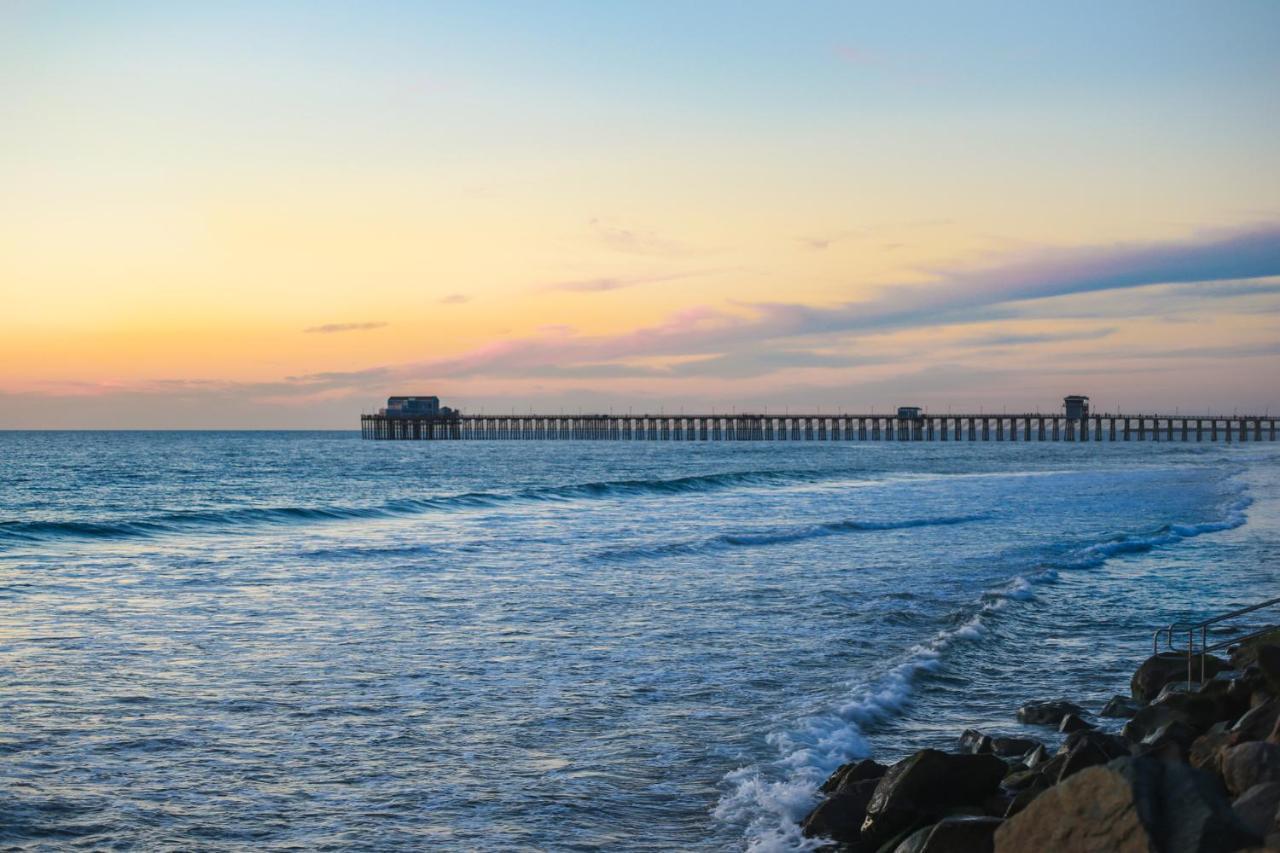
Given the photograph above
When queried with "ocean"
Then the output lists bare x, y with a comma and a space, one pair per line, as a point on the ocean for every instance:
291, 640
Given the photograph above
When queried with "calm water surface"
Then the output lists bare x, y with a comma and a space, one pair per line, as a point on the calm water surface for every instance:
300, 640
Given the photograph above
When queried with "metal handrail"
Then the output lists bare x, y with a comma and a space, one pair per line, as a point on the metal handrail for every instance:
1203, 627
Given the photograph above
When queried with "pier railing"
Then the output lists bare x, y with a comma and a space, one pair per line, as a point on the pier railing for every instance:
1199, 631
1031, 426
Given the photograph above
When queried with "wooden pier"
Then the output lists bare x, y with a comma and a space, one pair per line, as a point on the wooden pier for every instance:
835, 427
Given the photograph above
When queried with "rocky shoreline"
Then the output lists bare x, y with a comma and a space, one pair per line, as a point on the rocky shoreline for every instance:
1194, 769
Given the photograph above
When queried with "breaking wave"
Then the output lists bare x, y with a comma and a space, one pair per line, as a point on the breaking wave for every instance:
245, 517
771, 802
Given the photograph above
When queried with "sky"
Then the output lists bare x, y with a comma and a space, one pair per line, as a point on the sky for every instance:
275, 215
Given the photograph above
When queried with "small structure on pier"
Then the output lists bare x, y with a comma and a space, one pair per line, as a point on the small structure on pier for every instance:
1076, 406
416, 407
910, 413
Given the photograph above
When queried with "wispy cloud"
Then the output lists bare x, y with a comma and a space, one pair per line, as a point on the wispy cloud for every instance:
635, 241
334, 328
605, 283
454, 299
1010, 339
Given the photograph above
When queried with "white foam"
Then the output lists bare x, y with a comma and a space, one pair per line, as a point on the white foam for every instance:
772, 809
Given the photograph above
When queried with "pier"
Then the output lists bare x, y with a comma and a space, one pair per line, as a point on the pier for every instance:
1025, 427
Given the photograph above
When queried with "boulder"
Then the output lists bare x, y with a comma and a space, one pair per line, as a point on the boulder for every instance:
926, 786
953, 835
1248, 764
1199, 712
1176, 734
1258, 723
1150, 718
1072, 723
840, 815
1023, 798
1206, 751
1086, 749
1158, 670
974, 742
1268, 656
1246, 653
1132, 805
1120, 706
854, 771
1257, 807
1036, 757
1048, 713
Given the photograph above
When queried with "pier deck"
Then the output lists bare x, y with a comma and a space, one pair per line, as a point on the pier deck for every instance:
817, 427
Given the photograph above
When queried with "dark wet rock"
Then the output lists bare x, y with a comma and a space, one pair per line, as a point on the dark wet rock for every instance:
1158, 670
974, 742
1114, 746
1048, 713
1024, 797
1206, 751
997, 804
953, 835
840, 815
1122, 707
1176, 687
1245, 654
1036, 757
1257, 807
855, 771
1132, 805
1088, 748
1020, 779
1199, 712
1257, 723
1249, 764
1072, 723
1268, 657
926, 786
1175, 734
914, 842
1013, 747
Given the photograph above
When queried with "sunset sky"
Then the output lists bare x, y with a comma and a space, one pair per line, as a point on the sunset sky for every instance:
276, 214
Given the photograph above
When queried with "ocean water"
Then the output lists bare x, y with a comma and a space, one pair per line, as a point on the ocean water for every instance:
232, 641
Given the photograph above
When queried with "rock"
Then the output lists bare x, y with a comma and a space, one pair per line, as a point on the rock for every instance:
1268, 656
1246, 654
922, 788
1199, 712
854, 771
1013, 747
1257, 807
1249, 764
953, 835
1158, 670
1024, 797
1048, 713
974, 742
1206, 751
1150, 718
1258, 723
1072, 723
1036, 757
1132, 805
1120, 706
1020, 779
914, 842
840, 815
1088, 748
1176, 687
1176, 734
